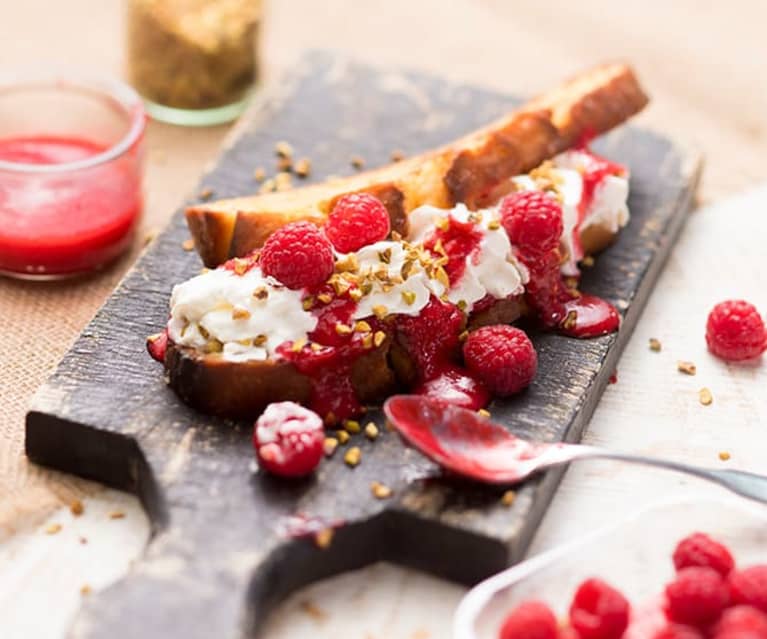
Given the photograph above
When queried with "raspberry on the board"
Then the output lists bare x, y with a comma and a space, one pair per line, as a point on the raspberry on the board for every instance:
357, 219
735, 331
501, 357
298, 255
530, 620
288, 439
533, 221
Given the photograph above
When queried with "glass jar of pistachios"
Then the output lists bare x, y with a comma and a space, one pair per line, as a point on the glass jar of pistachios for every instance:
193, 61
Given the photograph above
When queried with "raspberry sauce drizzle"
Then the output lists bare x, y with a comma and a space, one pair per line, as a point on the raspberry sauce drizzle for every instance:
592, 317
459, 240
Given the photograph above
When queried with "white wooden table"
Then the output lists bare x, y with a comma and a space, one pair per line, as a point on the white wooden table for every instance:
652, 409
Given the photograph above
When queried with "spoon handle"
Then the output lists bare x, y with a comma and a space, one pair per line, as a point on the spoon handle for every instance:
740, 482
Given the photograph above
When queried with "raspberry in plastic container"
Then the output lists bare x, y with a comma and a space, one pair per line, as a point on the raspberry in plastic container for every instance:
749, 586
599, 611
288, 440
697, 596
357, 220
530, 620
298, 255
699, 549
735, 331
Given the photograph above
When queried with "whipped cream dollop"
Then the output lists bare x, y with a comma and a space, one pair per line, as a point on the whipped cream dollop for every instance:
491, 268
400, 289
243, 316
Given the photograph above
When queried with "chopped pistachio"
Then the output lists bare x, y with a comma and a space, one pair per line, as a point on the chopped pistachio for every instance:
655, 345
352, 426
188, 244
323, 538
302, 168
353, 456
259, 340
371, 431
483, 412
343, 329
329, 446
379, 338
358, 162
380, 491
409, 297
688, 368
342, 436
240, 313
705, 396
508, 498
259, 175
283, 149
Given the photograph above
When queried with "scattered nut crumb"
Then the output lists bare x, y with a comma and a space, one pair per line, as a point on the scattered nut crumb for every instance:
267, 186
352, 426
342, 436
322, 538
587, 261
508, 498
688, 368
188, 244
380, 491
83, 540
259, 175
283, 181
117, 514
85, 589
283, 149
303, 167
705, 396
358, 162
371, 431
655, 345
724, 455
206, 193
329, 446
313, 610
483, 412
76, 507
53, 529
284, 163
353, 456
150, 235
397, 156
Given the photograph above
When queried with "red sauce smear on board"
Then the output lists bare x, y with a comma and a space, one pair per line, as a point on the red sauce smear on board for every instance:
65, 222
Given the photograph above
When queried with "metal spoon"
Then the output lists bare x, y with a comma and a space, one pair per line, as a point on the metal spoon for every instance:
468, 444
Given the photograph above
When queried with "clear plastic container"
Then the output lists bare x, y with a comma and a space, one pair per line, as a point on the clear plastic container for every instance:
634, 555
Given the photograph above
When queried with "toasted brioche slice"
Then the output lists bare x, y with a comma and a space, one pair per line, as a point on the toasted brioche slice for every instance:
473, 170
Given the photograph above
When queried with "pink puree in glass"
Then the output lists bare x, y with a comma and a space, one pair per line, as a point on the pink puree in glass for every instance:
65, 222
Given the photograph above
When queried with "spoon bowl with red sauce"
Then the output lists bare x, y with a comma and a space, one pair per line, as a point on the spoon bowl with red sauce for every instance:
468, 444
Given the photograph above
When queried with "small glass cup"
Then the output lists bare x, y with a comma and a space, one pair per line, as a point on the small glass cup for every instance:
70, 172
193, 61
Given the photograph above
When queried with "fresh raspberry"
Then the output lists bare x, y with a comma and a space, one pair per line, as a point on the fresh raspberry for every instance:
741, 622
599, 611
501, 357
697, 596
530, 620
357, 220
533, 221
735, 331
749, 586
678, 631
288, 439
700, 550
298, 255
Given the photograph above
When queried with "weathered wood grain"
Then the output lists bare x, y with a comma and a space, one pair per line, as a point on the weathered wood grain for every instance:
220, 557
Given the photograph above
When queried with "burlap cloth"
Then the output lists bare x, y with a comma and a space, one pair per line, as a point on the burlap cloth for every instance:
705, 70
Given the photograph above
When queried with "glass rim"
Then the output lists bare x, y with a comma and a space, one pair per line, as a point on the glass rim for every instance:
116, 91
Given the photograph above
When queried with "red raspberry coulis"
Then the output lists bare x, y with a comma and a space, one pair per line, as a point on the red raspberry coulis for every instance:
459, 240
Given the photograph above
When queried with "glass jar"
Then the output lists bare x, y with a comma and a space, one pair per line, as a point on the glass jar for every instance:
193, 61
70, 173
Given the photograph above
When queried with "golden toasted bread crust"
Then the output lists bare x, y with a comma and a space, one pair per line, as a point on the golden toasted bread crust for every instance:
473, 170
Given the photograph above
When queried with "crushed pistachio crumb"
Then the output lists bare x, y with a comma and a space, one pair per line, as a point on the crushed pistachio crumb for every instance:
397, 156
355, 294
367, 340
353, 456
705, 396
284, 163
362, 327
188, 244
259, 340
323, 538
483, 412
380, 491
371, 431
724, 455
76, 507
325, 298
570, 321
358, 162
267, 186
259, 175
307, 303
587, 261
283, 149
343, 329
688, 368
352, 426
85, 589
240, 313
508, 498
117, 514
303, 167
342, 436
409, 297
53, 529
655, 345
493, 225
299, 344
462, 336
261, 293
329, 446
379, 338
206, 193
380, 311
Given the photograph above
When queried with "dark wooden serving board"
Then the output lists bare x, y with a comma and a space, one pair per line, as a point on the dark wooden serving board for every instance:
220, 557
